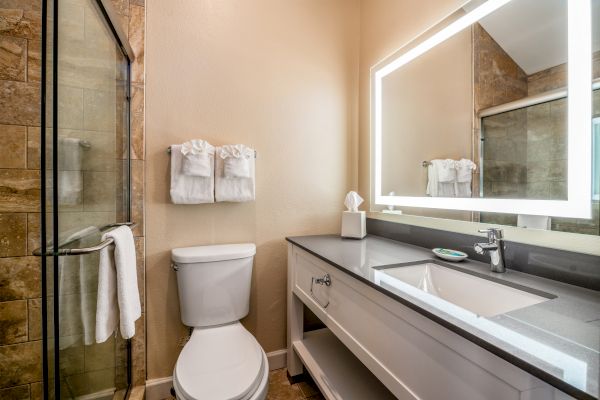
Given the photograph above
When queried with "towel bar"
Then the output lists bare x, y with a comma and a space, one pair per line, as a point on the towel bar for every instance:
61, 251
169, 151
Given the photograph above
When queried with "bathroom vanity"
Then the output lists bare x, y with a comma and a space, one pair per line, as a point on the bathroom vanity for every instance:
401, 325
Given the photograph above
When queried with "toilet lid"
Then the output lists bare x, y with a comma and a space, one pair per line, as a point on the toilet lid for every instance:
220, 363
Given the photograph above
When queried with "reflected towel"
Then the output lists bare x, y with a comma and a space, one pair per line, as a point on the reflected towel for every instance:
70, 180
534, 222
436, 170
464, 176
78, 284
118, 294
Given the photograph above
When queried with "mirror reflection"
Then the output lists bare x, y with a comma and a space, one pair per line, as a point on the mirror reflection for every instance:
484, 114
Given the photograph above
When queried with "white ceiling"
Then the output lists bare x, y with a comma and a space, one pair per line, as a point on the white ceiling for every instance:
534, 32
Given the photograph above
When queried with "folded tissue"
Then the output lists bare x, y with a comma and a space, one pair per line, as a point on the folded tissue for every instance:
353, 221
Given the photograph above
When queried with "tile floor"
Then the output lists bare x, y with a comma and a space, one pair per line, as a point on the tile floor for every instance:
280, 388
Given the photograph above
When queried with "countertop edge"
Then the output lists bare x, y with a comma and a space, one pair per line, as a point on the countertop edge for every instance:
524, 365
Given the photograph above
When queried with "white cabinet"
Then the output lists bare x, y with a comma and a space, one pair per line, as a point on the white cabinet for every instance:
412, 356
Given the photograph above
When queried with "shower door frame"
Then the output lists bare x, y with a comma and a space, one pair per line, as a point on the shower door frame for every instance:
120, 37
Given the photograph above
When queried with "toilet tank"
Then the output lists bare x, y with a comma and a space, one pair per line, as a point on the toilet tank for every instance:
213, 282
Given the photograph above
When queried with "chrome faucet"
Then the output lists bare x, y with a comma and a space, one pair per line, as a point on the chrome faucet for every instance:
495, 248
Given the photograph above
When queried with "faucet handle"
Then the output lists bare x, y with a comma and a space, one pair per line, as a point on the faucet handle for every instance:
493, 234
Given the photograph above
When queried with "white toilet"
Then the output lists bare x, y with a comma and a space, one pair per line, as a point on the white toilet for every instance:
222, 360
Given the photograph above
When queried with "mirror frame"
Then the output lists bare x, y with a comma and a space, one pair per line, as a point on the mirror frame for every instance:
579, 103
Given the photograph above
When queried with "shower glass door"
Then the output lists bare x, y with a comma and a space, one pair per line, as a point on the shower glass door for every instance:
87, 186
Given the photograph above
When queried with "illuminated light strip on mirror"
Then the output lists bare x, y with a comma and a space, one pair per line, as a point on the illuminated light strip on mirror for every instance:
578, 204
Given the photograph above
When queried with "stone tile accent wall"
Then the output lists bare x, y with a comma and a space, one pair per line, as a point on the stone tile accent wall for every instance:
133, 18
20, 285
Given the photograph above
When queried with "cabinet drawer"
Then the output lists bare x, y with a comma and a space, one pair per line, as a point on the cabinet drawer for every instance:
307, 268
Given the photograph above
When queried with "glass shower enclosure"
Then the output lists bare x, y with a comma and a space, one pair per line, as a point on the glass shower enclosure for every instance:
85, 191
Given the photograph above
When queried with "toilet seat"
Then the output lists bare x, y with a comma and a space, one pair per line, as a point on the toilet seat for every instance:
220, 363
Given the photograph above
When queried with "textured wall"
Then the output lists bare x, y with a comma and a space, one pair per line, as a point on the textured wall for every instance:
20, 284
276, 75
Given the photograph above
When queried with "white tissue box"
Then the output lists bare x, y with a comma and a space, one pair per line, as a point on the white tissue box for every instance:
354, 224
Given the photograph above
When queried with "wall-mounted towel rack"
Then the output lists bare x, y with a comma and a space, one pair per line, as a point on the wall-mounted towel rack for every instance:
426, 163
169, 151
62, 251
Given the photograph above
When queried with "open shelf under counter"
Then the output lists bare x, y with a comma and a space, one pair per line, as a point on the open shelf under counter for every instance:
335, 370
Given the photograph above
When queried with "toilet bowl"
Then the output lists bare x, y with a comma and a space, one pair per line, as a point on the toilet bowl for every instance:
222, 360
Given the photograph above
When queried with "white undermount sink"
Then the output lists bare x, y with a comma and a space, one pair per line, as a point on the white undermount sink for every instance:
471, 292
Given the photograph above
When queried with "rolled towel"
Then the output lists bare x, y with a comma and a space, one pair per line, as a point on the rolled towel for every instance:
198, 158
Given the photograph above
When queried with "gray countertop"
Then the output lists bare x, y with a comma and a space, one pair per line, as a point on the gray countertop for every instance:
557, 340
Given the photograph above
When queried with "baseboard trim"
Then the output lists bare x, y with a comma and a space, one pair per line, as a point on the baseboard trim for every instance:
160, 388
277, 359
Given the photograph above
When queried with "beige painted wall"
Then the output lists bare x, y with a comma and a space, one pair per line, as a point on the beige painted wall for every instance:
386, 26
427, 113
280, 76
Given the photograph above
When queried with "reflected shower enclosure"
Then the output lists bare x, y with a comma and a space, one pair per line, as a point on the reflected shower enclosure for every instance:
86, 187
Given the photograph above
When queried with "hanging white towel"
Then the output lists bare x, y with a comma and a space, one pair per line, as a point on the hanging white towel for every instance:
441, 178
464, 177
78, 285
118, 294
187, 189
235, 173
198, 158
70, 180
446, 170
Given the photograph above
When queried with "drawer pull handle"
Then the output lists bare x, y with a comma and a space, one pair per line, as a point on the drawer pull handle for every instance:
325, 280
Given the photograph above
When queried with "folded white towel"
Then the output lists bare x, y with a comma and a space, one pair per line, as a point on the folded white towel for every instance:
464, 170
441, 176
237, 160
118, 294
186, 189
198, 158
446, 170
234, 174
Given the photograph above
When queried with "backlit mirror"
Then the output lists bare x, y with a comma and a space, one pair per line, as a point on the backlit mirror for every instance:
491, 111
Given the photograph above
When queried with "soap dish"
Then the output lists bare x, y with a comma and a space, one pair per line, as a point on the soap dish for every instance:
449, 255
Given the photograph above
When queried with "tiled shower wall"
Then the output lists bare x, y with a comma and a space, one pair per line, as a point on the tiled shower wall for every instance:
525, 150
133, 21
20, 285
